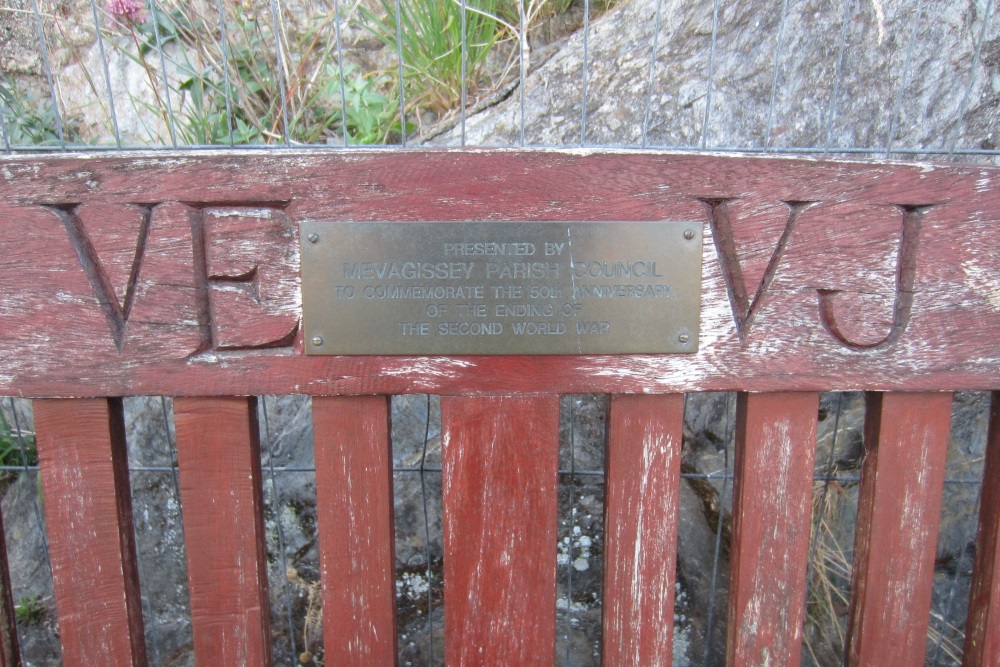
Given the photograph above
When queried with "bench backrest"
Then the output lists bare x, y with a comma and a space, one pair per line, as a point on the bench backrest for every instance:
179, 275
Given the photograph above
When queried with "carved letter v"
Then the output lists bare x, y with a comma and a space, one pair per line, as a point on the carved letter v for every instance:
116, 312
744, 310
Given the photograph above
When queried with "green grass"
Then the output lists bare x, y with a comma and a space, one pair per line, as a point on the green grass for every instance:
16, 448
430, 32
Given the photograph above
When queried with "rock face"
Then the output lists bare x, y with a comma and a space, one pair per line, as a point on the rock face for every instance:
825, 74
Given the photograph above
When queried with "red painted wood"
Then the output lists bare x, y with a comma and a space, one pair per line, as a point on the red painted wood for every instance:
772, 506
818, 275
354, 518
88, 511
899, 506
982, 630
218, 453
640, 517
500, 457
10, 651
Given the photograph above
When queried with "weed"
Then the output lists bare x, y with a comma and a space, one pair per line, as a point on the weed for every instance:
233, 77
428, 36
227, 87
431, 35
17, 448
253, 101
31, 119
830, 585
227, 93
29, 610
371, 115
312, 625
221, 74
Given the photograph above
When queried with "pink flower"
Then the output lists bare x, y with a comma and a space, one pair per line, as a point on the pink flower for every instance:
127, 10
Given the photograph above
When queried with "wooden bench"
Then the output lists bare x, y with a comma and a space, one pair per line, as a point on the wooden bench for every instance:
178, 275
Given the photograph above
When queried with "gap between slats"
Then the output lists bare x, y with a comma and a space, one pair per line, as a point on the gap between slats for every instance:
10, 649
982, 633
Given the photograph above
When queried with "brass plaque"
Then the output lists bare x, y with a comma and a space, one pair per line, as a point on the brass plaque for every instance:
429, 288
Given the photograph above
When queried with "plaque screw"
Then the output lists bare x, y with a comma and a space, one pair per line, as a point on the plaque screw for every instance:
683, 338
689, 234
317, 340
313, 238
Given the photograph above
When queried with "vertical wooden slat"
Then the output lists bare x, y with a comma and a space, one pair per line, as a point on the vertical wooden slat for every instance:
641, 512
772, 504
218, 452
899, 507
88, 510
982, 632
354, 517
500, 458
10, 652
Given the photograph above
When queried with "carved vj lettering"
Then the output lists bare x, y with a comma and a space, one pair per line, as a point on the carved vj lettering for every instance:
745, 310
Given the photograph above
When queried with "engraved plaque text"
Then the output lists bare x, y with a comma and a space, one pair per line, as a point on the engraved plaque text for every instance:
434, 288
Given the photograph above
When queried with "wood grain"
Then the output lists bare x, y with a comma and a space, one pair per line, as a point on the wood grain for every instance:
641, 514
88, 512
354, 518
10, 651
772, 507
982, 630
899, 507
500, 458
218, 454
179, 274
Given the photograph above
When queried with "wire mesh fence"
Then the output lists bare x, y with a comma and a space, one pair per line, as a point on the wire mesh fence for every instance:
293, 567
881, 78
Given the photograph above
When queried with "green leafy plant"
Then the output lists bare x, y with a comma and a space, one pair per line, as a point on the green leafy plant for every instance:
371, 114
31, 119
206, 118
165, 25
248, 107
29, 610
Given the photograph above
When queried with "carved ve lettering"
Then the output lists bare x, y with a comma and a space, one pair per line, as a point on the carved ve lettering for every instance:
244, 268
906, 269
744, 310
